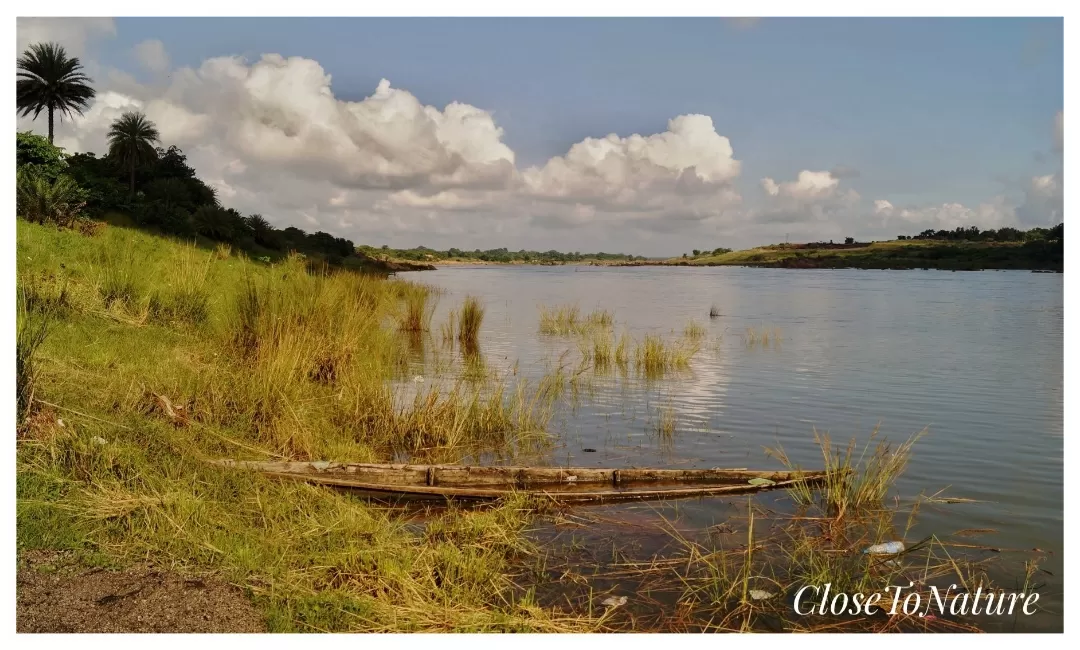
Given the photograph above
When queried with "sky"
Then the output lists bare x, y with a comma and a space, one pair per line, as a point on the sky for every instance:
646, 136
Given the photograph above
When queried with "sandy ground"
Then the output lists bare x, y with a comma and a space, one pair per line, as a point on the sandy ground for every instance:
54, 596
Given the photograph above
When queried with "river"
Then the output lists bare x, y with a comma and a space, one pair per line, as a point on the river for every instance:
973, 357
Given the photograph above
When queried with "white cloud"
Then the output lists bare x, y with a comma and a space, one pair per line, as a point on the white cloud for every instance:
807, 187
686, 172
812, 196
75, 34
945, 216
152, 55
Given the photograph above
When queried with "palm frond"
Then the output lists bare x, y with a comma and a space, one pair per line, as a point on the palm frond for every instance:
47, 79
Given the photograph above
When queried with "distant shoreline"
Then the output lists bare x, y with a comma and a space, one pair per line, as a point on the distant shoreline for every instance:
1047, 257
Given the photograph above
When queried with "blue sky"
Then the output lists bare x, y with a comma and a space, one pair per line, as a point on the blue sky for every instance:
918, 111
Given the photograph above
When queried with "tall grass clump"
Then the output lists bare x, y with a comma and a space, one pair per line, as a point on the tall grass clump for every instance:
601, 318
123, 276
666, 422
32, 329
564, 320
447, 329
694, 331
598, 348
469, 319
765, 336
654, 356
186, 297
714, 311
858, 479
416, 315
621, 354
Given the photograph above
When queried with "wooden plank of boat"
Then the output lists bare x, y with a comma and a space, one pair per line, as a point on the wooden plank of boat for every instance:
560, 494
564, 484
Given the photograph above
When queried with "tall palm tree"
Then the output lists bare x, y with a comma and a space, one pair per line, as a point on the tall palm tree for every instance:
131, 142
48, 80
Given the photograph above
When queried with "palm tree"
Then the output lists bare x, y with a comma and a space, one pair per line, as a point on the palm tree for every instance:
48, 80
131, 142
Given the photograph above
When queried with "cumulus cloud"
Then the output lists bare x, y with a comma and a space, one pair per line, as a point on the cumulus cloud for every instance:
271, 136
151, 55
281, 113
812, 196
686, 172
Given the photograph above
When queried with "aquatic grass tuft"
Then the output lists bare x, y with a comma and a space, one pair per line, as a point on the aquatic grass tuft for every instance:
854, 483
654, 356
469, 319
563, 320
666, 422
447, 329
714, 311
416, 314
694, 331
765, 336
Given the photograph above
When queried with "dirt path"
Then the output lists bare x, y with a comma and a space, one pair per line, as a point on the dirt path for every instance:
53, 596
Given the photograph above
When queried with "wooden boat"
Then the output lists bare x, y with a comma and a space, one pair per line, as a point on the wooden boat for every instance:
562, 484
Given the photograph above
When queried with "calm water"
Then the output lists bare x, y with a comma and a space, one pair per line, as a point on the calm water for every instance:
974, 357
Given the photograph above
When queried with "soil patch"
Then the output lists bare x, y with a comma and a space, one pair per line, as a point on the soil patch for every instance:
52, 595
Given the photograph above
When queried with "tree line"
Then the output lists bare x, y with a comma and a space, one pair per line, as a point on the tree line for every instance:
1006, 234
424, 254
138, 176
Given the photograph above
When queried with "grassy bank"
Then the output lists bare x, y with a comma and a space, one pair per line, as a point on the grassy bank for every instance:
901, 254
157, 356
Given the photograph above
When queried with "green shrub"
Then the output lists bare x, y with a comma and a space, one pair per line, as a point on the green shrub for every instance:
40, 200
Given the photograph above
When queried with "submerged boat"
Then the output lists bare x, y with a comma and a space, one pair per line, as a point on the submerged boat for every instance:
561, 484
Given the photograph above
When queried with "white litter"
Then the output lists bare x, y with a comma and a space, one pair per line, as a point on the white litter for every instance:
614, 601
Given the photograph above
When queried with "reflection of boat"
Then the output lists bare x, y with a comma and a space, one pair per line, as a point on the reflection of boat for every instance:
563, 484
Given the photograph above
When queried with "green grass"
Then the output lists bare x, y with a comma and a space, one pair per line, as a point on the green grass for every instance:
164, 356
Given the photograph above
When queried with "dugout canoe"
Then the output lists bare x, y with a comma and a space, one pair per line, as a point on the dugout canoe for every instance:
562, 484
